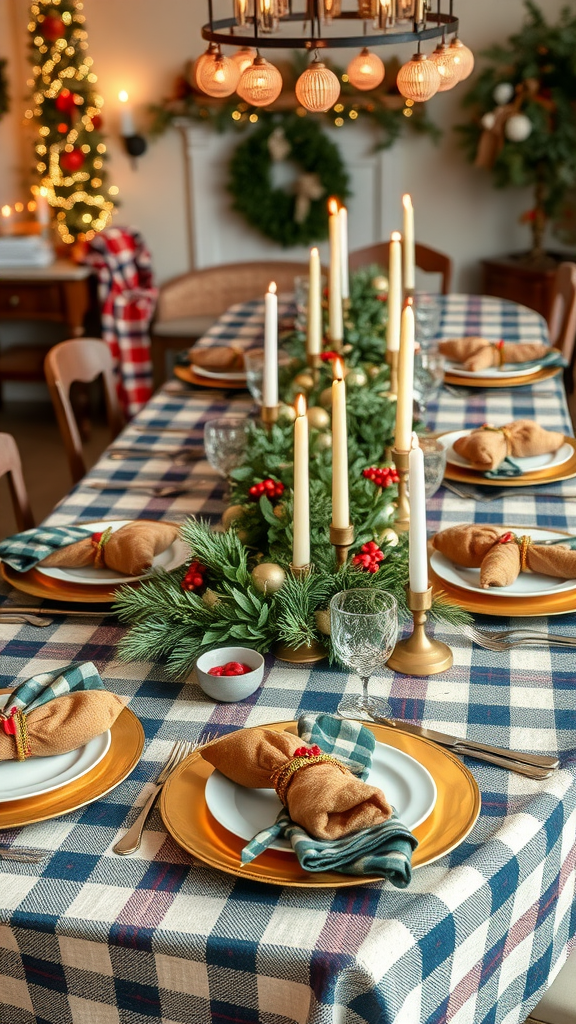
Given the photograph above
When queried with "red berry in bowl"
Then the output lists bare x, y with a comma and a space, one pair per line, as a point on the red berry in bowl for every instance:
216, 671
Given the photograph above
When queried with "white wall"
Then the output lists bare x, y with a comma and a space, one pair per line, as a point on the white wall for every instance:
141, 45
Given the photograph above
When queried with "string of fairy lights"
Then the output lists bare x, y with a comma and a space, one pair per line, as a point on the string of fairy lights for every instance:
70, 151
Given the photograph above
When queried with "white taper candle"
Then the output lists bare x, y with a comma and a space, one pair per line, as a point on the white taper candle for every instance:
270, 376
314, 337
340, 502
405, 403
409, 244
335, 318
301, 525
394, 292
417, 555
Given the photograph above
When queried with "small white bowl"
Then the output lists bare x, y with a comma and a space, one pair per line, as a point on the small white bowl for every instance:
230, 688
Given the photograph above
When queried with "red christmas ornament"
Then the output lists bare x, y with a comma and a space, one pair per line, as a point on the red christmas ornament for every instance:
369, 557
65, 101
52, 28
381, 476
327, 357
63, 127
72, 161
97, 122
271, 488
195, 577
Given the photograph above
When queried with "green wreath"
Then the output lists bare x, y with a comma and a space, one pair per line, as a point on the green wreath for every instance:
4, 100
290, 218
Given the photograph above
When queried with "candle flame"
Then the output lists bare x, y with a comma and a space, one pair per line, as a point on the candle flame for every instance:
338, 369
272, 287
415, 441
409, 302
314, 251
407, 201
395, 236
18, 207
6, 211
300, 405
123, 96
332, 206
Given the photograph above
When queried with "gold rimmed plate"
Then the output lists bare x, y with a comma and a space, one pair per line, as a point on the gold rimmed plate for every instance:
504, 382
553, 474
187, 374
189, 822
126, 746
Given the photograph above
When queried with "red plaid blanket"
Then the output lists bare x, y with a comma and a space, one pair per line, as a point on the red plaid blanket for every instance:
127, 299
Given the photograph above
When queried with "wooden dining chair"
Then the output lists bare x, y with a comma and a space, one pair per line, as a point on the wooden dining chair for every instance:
431, 261
188, 305
11, 465
562, 318
80, 360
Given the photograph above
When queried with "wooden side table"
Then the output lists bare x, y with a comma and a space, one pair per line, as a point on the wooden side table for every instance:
507, 278
59, 293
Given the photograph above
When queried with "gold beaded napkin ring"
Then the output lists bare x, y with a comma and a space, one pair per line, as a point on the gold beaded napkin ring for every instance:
303, 757
523, 543
14, 724
99, 541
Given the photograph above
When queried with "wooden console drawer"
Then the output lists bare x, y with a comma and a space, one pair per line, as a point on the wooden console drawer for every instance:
37, 301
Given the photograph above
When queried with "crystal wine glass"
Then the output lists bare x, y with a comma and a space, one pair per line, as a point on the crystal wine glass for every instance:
225, 442
254, 363
364, 629
429, 366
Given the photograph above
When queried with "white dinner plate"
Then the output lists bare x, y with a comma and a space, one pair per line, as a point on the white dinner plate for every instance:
37, 775
527, 584
170, 559
527, 465
504, 372
407, 785
230, 375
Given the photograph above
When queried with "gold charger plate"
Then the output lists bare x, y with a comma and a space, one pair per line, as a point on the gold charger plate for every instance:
506, 382
127, 743
189, 822
186, 373
565, 471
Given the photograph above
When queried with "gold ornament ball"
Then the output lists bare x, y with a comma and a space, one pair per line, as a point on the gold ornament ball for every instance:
322, 618
286, 412
318, 418
231, 514
304, 380
380, 284
356, 378
323, 441
326, 398
374, 372
268, 577
389, 537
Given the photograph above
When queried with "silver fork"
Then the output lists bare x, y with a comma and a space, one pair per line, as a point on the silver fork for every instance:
508, 639
180, 751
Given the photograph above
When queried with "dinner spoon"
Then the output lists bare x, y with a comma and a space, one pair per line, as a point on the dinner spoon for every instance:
157, 490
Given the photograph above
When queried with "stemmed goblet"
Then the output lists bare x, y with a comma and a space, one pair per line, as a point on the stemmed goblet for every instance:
364, 630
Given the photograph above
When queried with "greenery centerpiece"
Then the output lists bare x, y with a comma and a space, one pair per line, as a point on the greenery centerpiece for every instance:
238, 585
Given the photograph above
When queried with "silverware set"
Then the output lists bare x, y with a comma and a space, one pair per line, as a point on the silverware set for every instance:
179, 456
23, 854
474, 494
509, 639
156, 490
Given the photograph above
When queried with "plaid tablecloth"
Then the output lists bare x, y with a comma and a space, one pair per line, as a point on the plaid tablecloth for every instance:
89, 938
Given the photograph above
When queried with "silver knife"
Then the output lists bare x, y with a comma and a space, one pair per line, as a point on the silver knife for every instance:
24, 854
461, 745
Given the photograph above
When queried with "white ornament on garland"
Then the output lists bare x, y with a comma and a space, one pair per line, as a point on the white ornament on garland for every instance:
488, 121
518, 128
503, 93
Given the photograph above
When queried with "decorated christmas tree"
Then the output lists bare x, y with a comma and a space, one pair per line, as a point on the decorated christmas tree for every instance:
524, 116
70, 151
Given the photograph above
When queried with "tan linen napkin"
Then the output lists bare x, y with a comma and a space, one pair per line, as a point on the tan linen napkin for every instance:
218, 358
503, 563
66, 723
479, 353
467, 545
487, 447
324, 801
130, 550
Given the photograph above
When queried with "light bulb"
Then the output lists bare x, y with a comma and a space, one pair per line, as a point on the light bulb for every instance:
463, 58
218, 76
244, 57
365, 71
202, 60
448, 70
419, 79
260, 84
318, 88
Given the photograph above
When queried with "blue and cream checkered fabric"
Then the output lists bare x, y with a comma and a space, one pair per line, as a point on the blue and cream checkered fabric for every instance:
90, 938
23, 551
46, 686
384, 849
243, 324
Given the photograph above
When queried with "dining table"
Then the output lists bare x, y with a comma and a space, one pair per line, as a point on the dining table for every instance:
88, 937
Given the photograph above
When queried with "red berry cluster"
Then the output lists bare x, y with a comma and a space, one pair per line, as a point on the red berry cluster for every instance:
382, 476
307, 751
327, 357
271, 488
231, 668
195, 577
369, 557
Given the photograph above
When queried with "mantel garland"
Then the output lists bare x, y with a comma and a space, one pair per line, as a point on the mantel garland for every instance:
4, 95
237, 586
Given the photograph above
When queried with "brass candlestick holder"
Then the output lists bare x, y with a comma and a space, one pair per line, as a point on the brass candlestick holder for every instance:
304, 655
341, 537
402, 523
419, 655
392, 360
314, 362
269, 415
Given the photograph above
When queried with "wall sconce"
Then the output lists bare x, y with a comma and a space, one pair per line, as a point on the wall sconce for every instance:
134, 144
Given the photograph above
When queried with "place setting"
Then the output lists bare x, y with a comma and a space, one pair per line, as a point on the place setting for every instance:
479, 362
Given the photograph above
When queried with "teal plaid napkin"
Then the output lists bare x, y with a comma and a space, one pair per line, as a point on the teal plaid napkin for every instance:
508, 468
553, 358
41, 689
384, 850
23, 551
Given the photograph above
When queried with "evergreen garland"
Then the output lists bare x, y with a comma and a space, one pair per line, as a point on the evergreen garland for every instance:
4, 95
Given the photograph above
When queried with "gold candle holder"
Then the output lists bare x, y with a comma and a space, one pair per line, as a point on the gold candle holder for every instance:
419, 655
409, 293
341, 537
314, 362
269, 415
402, 524
392, 360
300, 570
